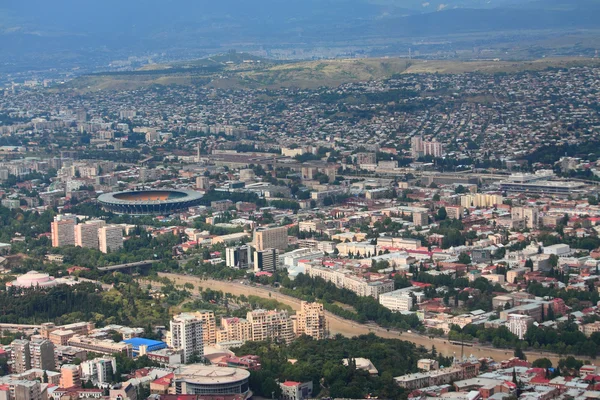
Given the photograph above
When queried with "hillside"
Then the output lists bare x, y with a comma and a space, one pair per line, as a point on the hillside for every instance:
308, 74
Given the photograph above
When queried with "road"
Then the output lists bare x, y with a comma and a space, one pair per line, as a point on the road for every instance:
351, 328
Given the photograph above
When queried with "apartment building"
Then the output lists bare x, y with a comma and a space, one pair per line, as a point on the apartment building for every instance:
101, 346
42, 354
310, 320
234, 330
110, 238
270, 238
397, 300
187, 334
272, 324
345, 279
70, 375
20, 355
86, 235
482, 200
62, 230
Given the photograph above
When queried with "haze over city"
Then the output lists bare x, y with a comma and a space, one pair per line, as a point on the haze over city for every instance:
268, 199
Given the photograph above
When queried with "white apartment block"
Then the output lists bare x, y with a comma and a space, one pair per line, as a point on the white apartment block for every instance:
187, 335
398, 300
345, 279
518, 324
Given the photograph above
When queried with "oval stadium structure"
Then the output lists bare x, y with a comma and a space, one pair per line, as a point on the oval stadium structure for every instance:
148, 202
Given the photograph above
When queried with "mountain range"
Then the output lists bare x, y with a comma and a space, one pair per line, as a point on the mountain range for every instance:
87, 29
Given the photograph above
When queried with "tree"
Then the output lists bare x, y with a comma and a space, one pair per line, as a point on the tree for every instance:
529, 264
464, 258
441, 214
519, 353
542, 363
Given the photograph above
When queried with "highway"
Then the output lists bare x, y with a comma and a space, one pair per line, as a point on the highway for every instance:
338, 325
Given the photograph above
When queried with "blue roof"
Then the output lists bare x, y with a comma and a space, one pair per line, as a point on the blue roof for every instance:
137, 342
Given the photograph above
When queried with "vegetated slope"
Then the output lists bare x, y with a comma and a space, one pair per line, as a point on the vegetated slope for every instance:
310, 74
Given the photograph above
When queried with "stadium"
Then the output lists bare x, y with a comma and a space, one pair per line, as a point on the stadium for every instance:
148, 202
200, 379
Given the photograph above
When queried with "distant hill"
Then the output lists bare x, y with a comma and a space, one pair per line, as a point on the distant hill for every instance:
308, 74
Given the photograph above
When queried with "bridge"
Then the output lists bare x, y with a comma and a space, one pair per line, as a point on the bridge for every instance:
128, 266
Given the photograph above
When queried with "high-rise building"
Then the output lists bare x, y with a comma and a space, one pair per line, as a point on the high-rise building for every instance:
234, 330
202, 183
419, 147
272, 324
238, 257
26, 390
310, 320
209, 327
271, 238
70, 376
42, 354
99, 369
420, 218
110, 238
187, 335
530, 216
63, 230
86, 235
265, 260
21, 356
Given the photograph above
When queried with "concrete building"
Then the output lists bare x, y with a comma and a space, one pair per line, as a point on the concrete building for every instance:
529, 216
296, 390
398, 300
272, 324
110, 238
234, 330
42, 354
21, 355
102, 346
266, 260
270, 238
62, 230
518, 324
202, 183
99, 370
239, 257
187, 334
420, 218
86, 235
310, 320
482, 200
70, 375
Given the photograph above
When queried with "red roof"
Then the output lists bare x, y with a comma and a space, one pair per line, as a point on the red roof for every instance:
290, 383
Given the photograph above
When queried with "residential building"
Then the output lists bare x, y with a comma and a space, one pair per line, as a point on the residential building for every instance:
99, 370
518, 324
234, 330
102, 346
21, 355
110, 238
270, 238
420, 218
62, 230
272, 324
187, 334
397, 300
529, 216
42, 354
70, 375
296, 390
86, 235
310, 320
